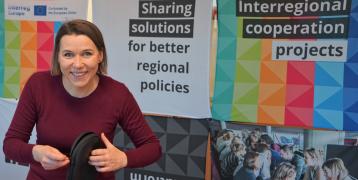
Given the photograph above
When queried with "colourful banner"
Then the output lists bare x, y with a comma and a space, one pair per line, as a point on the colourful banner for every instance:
1, 46
29, 31
292, 64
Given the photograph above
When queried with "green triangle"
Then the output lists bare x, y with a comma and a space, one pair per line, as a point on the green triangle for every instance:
12, 40
247, 71
248, 49
12, 58
11, 25
246, 94
244, 113
12, 75
240, 28
11, 91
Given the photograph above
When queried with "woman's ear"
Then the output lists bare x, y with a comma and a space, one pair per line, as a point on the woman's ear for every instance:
100, 57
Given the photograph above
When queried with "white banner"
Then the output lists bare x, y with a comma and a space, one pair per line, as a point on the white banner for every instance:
45, 10
9, 169
160, 50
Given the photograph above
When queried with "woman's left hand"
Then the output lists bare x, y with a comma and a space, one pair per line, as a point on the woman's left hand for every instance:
108, 159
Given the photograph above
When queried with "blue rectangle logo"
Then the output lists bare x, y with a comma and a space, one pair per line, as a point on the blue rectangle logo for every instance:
40, 10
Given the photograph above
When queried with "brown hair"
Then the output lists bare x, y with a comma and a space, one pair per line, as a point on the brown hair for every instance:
336, 166
79, 27
250, 159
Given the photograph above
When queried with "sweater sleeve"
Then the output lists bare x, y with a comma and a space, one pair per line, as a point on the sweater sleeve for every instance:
148, 148
15, 145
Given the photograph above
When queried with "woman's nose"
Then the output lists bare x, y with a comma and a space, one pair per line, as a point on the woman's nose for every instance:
78, 62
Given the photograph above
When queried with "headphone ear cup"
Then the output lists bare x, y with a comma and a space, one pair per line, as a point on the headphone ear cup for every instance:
81, 149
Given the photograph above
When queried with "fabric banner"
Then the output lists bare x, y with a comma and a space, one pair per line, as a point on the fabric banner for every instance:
184, 144
160, 50
2, 43
307, 150
291, 63
29, 30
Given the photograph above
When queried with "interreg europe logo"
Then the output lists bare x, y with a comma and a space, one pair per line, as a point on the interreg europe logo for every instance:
40, 10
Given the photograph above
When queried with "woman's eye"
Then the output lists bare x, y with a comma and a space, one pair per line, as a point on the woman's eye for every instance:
68, 55
87, 54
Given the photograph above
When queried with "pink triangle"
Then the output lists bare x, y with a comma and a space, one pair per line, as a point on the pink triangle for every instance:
45, 41
301, 117
300, 96
300, 73
44, 59
45, 27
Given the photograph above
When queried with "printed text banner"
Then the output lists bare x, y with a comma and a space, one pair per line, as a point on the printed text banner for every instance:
295, 66
160, 50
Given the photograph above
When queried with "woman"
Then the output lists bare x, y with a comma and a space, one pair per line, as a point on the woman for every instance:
77, 96
313, 162
285, 171
334, 169
250, 166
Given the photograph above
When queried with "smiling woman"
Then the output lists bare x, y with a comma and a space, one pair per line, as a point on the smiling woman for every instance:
76, 97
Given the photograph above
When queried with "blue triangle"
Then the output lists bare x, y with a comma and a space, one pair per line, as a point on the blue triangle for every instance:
352, 55
350, 97
225, 71
353, 25
333, 102
350, 121
351, 75
326, 119
329, 74
223, 92
353, 108
226, 48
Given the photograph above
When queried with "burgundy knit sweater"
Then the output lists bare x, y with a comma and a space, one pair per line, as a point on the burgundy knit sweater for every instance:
60, 118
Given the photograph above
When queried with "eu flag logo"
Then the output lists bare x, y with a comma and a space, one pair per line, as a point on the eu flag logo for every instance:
40, 10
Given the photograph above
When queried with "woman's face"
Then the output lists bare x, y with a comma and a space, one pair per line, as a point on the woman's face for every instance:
328, 173
308, 159
79, 60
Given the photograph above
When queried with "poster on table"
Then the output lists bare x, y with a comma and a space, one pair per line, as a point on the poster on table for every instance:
307, 150
184, 144
160, 50
28, 35
292, 63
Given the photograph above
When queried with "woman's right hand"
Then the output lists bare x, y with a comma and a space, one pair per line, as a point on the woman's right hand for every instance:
49, 157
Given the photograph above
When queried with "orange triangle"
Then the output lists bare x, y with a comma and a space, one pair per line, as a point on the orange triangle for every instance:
276, 97
273, 72
28, 59
28, 41
273, 115
266, 50
25, 74
28, 26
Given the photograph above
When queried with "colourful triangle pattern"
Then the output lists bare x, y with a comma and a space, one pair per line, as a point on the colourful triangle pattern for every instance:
247, 71
223, 93
225, 71
328, 119
299, 96
45, 41
248, 49
351, 75
244, 113
300, 73
246, 93
272, 115
43, 60
272, 94
273, 72
12, 58
45, 27
330, 98
12, 40
329, 74
298, 117
28, 26
28, 41
28, 59
350, 122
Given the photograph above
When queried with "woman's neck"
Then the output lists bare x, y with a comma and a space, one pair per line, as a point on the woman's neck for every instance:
81, 92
